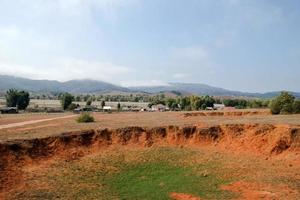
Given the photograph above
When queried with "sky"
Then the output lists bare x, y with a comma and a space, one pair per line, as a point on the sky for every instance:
246, 45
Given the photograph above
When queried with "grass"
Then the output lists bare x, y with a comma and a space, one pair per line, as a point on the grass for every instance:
157, 180
153, 173
130, 174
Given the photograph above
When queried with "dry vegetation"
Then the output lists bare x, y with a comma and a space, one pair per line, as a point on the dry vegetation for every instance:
119, 120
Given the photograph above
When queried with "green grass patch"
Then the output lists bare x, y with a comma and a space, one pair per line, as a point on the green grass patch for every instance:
158, 180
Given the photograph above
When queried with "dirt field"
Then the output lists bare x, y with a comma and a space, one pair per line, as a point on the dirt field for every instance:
168, 155
119, 120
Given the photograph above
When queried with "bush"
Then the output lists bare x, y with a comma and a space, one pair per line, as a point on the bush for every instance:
85, 118
283, 104
296, 107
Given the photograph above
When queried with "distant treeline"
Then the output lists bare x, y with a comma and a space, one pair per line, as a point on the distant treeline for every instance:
190, 103
285, 103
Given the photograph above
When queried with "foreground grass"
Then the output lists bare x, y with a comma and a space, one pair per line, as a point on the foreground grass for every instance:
140, 174
151, 173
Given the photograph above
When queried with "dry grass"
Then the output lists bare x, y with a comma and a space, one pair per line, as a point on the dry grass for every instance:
132, 173
119, 120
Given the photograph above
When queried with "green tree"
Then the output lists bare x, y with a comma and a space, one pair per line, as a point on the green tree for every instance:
185, 103
283, 104
102, 103
119, 106
78, 98
89, 102
19, 99
11, 98
172, 103
208, 101
23, 100
66, 100
296, 107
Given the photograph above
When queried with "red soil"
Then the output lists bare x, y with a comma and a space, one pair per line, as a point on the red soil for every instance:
251, 191
182, 196
269, 140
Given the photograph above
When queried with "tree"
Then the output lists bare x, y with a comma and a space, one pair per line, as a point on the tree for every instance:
78, 98
19, 99
119, 106
11, 98
208, 102
296, 107
185, 103
66, 100
23, 100
283, 104
172, 104
89, 102
102, 103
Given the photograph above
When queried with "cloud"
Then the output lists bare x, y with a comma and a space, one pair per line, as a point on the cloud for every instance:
189, 53
180, 75
68, 69
107, 8
135, 83
78, 68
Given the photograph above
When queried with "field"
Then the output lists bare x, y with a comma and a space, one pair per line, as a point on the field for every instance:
247, 154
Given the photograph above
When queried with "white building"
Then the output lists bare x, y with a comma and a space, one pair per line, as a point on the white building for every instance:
219, 106
107, 108
158, 107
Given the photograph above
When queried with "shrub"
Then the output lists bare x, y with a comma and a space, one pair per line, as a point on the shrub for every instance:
283, 104
85, 118
296, 107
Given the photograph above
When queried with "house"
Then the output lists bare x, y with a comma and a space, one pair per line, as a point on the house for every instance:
9, 110
106, 108
159, 107
209, 108
218, 106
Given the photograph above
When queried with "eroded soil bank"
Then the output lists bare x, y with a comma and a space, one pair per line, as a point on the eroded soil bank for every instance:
271, 141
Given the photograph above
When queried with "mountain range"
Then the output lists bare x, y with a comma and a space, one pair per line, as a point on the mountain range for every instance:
92, 86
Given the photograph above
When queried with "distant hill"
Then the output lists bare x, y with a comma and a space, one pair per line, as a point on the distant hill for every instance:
192, 88
73, 86
92, 86
203, 89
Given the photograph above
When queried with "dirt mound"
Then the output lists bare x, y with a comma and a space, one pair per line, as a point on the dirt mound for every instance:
182, 196
228, 113
256, 138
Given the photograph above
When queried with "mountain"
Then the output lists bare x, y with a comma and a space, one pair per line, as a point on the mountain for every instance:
193, 88
73, 86
92, 86
203, 89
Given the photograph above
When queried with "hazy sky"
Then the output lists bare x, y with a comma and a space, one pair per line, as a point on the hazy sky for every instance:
248, 45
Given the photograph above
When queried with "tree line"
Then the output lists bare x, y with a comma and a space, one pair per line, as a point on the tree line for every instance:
285, 103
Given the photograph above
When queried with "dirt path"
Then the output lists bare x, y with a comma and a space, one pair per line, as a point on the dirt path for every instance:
12, 125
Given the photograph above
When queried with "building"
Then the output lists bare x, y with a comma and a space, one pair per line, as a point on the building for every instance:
106, 108
218, 106
159, 107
